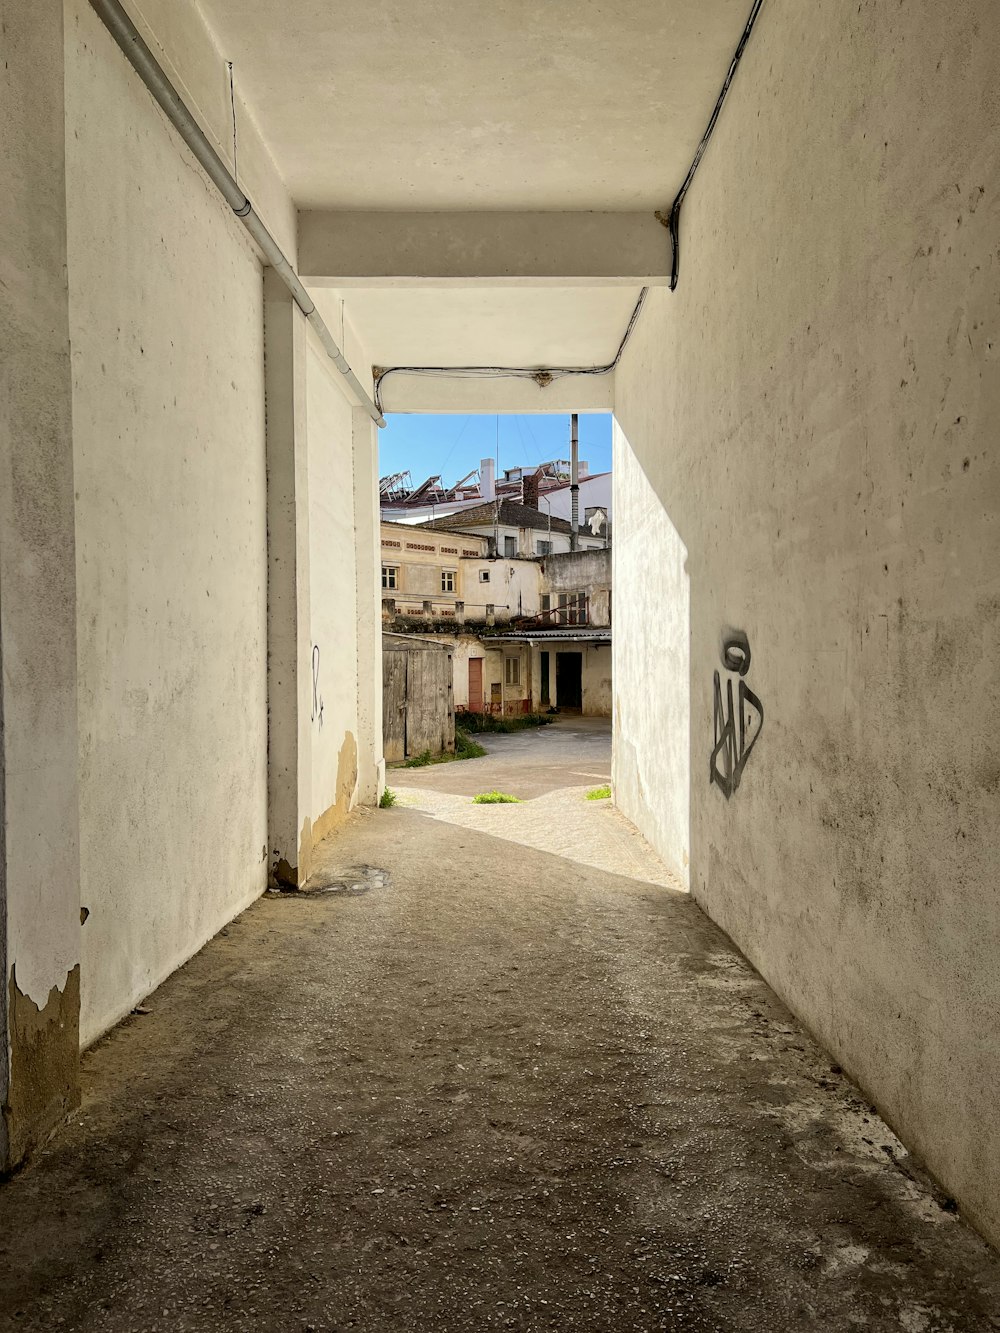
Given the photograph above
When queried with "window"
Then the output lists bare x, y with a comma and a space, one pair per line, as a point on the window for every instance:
573, 608
510, 546
512, 670
447, 580
484, 576
389, 576
544, 548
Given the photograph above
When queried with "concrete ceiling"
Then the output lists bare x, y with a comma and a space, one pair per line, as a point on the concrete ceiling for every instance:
483, 104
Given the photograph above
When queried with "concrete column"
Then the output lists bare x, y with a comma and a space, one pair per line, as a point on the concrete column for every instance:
371, 764
39, 827
288, 748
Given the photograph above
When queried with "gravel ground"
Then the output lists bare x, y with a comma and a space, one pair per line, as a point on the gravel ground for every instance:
469, 1083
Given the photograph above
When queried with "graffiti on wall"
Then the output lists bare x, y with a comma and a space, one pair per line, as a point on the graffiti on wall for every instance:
737, 724
317, 700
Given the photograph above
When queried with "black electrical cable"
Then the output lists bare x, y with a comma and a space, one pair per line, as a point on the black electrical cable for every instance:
673, 221
542, 375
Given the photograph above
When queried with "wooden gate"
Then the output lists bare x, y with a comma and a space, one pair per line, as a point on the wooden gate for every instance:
394, 706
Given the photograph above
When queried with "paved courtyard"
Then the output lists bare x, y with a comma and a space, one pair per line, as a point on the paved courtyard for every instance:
495, 1072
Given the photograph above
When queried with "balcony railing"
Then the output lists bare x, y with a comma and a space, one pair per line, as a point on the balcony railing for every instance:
574, 611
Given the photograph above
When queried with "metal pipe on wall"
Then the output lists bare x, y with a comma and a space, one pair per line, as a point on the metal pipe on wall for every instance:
574, 480
142, 60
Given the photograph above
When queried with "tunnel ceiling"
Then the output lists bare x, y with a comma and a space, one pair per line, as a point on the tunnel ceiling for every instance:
516, 104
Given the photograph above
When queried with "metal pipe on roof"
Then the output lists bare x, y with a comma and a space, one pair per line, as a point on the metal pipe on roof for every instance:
574, 481
142, 60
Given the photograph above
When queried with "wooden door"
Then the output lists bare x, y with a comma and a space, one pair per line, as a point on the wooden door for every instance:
475, 684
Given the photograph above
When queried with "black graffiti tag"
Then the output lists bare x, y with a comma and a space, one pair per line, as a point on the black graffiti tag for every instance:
317, 700
732, 746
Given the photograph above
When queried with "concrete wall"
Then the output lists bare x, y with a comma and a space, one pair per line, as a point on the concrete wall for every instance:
167, 333
330, 684
651, 758
582, 571
39, 860
809, 437
513, 588
597, 678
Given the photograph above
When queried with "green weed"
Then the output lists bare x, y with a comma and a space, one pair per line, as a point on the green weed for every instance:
388, 799
490, 722
495, 798
599, 793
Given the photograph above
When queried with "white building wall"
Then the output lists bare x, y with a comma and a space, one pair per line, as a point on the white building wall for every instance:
594, 492
330, 683
809, 452
651, 757
166, 328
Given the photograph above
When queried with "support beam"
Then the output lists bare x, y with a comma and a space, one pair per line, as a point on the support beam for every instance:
489, 249
403, 391
39, 821
288, 758
371, 765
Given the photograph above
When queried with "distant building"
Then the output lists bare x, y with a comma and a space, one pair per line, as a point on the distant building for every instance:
525, 632
514, 528
402, 501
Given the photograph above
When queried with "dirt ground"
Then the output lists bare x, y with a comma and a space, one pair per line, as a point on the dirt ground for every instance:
473, 1083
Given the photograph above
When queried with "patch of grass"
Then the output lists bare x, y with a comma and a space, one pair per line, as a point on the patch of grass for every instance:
495, 798
388, 799
491, 722
464, 749
599, 793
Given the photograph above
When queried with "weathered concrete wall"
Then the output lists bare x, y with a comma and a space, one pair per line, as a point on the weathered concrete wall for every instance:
582, 571
809, 432
166, 324
597, 696
39, 865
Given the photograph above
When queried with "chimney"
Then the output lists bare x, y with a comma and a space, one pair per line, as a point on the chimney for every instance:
529, 491
487, 479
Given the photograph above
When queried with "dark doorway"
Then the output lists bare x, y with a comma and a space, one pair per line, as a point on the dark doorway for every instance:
545, 678
569, 681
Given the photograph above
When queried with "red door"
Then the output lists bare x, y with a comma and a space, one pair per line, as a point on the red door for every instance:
475, 684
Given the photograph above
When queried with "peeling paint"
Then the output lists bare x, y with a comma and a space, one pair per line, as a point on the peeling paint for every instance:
44, 1064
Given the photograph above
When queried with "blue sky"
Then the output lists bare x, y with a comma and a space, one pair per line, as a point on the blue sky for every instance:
453, 445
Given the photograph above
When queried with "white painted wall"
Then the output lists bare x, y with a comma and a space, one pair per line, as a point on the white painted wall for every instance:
651, 757
331, 680
594, 491
812, 418
513, 588
166, 327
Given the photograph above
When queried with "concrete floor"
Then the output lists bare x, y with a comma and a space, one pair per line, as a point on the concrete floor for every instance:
472, 1083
